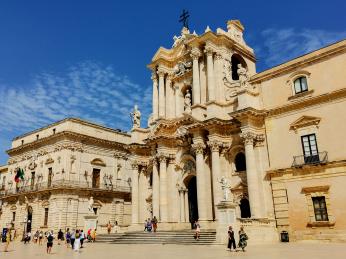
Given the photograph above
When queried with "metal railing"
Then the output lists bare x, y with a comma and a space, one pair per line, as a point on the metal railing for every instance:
117, 186
320, 158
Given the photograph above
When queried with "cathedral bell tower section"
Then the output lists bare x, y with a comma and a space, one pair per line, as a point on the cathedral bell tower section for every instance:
205, 76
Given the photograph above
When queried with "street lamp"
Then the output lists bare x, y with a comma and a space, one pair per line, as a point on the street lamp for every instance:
25, 223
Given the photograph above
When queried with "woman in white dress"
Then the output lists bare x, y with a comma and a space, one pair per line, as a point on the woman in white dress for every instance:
77, 241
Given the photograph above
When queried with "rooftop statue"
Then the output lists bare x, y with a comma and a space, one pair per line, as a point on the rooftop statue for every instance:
136, 117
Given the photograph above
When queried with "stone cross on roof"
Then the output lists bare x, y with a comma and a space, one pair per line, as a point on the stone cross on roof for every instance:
184, 18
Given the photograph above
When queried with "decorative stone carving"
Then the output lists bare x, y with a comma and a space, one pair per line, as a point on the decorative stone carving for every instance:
243, 76
136, 118
91, 204
187, 102
248, 137
182, 67
185, 33
214, 145
198, 148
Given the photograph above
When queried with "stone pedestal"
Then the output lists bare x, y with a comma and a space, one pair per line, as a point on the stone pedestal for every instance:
90, 222
227, 217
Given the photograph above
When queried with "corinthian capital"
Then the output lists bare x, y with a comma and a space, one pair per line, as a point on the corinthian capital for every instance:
134, 165
154, 76
198, 148
161, 71
248, 137
195, 53
162, 158
214, 145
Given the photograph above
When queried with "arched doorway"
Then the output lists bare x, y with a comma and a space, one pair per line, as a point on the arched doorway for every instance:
244, 208
29, 219
192, 196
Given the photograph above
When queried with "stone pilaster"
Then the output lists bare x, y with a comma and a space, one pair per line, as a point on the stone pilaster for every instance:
162, 112
220, 94
155, 97
196, 89
186, 203
182, 205
135, 194
156, 190
169, 98
210, 73
163, 189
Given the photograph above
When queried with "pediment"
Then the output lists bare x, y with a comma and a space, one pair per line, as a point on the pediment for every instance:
305, 121
169, 54
98, 162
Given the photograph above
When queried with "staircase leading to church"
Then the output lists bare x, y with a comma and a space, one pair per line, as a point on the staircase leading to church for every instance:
184, 237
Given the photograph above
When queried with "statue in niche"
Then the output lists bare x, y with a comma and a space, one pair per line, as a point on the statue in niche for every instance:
91, 204
243, 76
136, 117
187, 102
225, 185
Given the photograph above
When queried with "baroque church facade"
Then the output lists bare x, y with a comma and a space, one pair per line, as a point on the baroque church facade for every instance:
224, 145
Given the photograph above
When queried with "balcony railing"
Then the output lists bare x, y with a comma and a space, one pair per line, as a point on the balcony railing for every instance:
320, 158
117, 186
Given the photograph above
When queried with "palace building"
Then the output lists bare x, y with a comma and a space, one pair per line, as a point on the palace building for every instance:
224, 144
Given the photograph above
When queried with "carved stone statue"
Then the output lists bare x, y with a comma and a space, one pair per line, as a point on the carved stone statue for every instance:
187, 102
182, 67
225, 185
90, 204
136, 117
243, 76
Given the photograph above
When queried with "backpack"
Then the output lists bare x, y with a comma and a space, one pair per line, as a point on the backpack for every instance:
50, 239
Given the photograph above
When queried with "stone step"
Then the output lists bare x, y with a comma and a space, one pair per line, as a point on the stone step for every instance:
184, 237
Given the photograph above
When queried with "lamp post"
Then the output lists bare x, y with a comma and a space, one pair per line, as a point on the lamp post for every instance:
24, 230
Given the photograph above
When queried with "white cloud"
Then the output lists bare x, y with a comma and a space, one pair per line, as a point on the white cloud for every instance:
276, 46
88, 90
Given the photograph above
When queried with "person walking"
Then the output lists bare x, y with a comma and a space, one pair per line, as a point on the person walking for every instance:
73, 238
154, 223
197, 227
37, 233
76, 245
68, 237
242, 239
109, 227
8, 240
82, 237
231, 239
60, 236
40, 237
93, 235
50, 239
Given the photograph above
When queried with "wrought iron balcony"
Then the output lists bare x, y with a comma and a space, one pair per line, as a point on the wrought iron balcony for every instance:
117, 186
320, 158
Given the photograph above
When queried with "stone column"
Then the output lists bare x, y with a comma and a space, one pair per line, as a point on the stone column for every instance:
162, 112
220, 94
143, 189
156, 190
196, 89
201, 181
134, 193
169, 98
210, 74
163, 189
182, 205
155, 97
251, 173
215, 164
186, 203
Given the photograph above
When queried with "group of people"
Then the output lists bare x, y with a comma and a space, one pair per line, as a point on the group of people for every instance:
150, 225
242, 239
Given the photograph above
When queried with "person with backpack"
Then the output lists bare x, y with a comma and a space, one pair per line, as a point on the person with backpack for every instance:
50, 239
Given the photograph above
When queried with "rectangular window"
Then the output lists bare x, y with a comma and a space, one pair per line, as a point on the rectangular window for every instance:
300, 85
320, 208
50, 174
3, 183
32, 184
96, 178
13, 216
45, 223
310, 149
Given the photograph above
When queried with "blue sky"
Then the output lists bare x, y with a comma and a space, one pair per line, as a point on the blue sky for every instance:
88, 59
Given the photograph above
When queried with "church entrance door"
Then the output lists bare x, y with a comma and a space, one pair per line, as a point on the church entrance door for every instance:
192, 195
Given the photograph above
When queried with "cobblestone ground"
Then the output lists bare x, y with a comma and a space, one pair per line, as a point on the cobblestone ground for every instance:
100, 251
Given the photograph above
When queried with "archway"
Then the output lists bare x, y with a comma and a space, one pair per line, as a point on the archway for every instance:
29, 219
192, 197
244, 208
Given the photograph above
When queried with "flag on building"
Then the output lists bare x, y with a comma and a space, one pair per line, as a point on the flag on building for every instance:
19, 175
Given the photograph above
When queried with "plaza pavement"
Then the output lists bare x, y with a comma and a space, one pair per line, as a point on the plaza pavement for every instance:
103, 251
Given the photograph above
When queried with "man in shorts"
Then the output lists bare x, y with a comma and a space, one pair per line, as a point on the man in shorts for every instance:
50, 239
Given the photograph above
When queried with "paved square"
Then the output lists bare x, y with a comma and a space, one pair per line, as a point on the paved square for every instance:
100, 250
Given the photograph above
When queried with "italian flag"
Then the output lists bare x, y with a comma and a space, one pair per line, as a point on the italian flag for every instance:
19, 175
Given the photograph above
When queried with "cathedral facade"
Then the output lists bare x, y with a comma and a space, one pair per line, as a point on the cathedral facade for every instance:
224, 145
